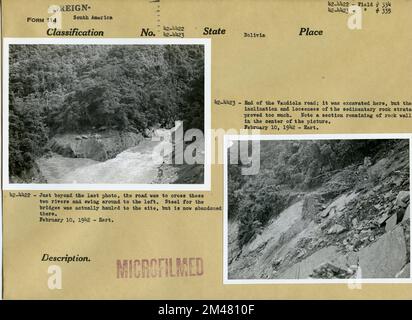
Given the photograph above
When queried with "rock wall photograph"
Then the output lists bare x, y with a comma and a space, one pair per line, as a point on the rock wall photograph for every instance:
321, 209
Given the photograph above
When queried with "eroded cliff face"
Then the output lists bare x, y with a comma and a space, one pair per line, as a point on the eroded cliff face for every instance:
356, 231
96, 146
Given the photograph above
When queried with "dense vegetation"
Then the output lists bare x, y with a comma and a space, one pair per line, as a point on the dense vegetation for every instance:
288, 168
77, 88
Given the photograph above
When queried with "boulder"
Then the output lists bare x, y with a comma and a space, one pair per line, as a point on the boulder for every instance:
377, 206
385, 257
327, 256
391, 222
304, 269
383, 219
148, 133
324, 213
355, 222
402, 199
276, 262
405, 272
377, 188
327, 270
337, 228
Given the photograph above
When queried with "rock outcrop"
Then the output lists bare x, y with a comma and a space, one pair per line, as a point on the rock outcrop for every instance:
100, 147
386, 257
328, 270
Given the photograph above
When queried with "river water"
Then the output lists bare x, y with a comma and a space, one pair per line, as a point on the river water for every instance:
134, 165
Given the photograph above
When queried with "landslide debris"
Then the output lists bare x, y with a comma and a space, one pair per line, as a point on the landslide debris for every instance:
96, 146
355, 225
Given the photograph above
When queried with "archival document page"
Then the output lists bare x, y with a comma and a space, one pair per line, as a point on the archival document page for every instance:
205, 149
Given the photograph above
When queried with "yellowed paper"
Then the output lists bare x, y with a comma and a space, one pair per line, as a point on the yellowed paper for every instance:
318, 91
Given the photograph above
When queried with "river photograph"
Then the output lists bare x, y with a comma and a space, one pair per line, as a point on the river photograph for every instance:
97, 113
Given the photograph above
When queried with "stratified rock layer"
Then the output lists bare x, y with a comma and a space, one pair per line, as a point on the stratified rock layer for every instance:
99, 147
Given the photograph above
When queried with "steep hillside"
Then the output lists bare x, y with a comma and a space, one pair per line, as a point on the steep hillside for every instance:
354, 224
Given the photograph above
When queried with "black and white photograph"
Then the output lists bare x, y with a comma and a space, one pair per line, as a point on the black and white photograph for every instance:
99, 112
320, 210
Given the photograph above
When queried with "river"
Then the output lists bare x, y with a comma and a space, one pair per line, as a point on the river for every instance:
134, 165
